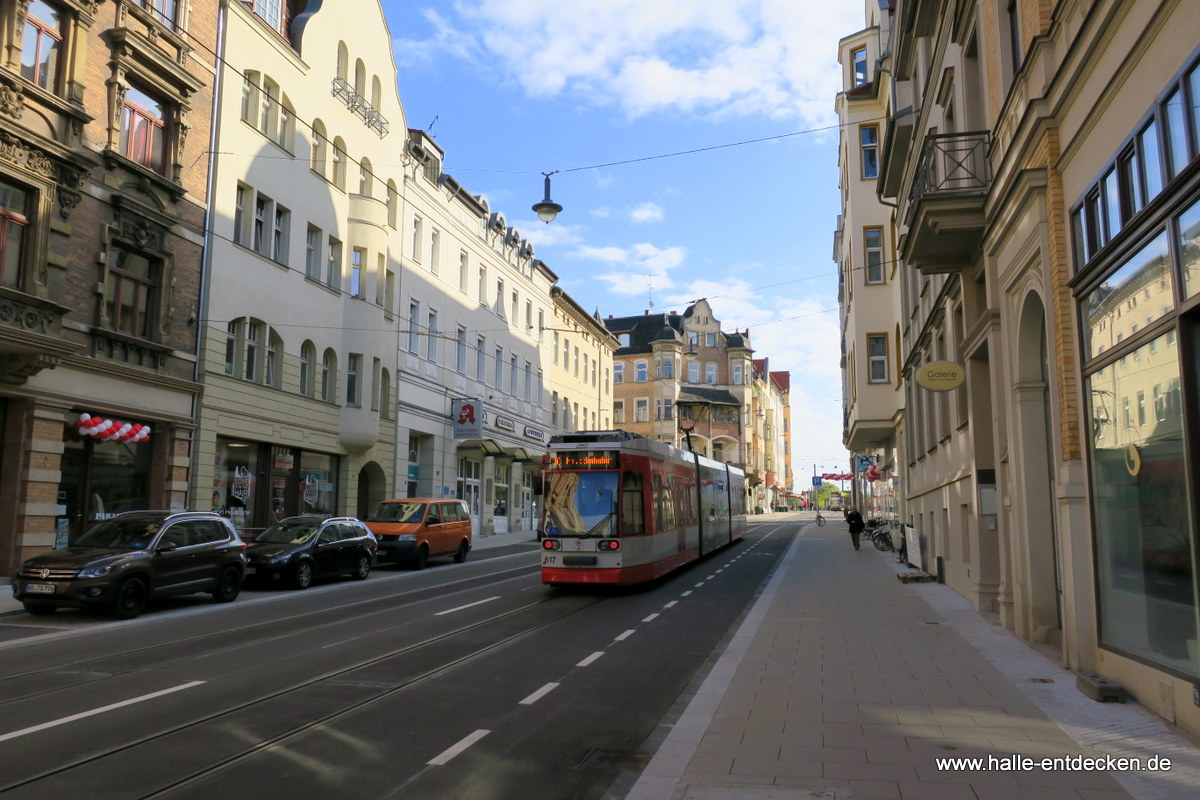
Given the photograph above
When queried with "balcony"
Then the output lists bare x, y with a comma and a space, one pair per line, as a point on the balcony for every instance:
945, 214
359, 105
31, 336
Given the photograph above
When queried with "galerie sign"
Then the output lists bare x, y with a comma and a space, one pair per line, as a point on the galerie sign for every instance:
941, 376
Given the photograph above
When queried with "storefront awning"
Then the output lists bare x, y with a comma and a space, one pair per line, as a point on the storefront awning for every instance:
487, 447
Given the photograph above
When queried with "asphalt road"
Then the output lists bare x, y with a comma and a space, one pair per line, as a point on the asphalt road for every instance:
461, 681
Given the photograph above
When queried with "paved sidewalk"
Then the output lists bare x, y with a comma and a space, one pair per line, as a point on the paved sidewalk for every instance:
843, 682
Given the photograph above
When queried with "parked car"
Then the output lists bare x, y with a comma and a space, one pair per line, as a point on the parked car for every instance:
123, 562
415, 529
296, 550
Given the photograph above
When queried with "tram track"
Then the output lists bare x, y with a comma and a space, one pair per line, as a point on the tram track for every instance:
100, 668
373, 692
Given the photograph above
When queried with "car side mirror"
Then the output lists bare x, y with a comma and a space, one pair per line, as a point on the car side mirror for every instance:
166, 547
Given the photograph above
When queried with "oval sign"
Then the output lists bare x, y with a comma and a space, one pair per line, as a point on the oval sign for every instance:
941, 376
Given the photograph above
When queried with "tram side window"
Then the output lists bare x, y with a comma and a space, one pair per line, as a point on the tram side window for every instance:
632, 506
662, 504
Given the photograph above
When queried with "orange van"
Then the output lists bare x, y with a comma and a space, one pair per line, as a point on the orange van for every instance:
413, 529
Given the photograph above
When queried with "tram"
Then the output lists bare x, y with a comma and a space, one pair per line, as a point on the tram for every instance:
620, 509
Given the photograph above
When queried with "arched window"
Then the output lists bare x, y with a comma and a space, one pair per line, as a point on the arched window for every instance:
393, 202
343, 61
328, 375
272, 368
308, 363
365, 179
360, 78
320, 148
285, 132
339, 163
376, 92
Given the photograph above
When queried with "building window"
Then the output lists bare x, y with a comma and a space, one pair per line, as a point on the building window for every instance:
279, 234
710, 340
540, 387
270, 10
339, 164
130, 290
693, 372
859, 58
877, 358
869, 145
42, 45
528, 380
618, 412
463, 267
460, 352
435, 242
271, 375
143, 138
737, 374
385, 394
308, 358
666, 368
333, 273
664, 409
641, 409
873, 247
641, 371
710, 373
416, 239
357, 256
328, 375
232, 331
498, 374
14, 225
253, 330
618, 372
480, 358
512, 374
312, 253
353, 366
431, 346
414, 322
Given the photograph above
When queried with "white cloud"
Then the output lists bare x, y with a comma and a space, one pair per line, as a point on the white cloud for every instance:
776, 58
646, 212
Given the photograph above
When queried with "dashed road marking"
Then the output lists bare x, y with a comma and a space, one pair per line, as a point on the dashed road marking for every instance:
539, 694
590, 659
451, 752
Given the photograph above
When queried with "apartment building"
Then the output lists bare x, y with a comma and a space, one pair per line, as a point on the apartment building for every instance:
1044, 163
103, 179
869, 277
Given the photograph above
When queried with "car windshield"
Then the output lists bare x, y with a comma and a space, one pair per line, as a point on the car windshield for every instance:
582, 504
289, 532
120, 534
397, 512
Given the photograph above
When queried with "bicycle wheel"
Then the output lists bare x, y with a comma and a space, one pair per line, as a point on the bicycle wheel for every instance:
882, 541
820, 521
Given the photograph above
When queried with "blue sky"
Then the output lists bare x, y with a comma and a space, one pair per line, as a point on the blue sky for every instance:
514, 88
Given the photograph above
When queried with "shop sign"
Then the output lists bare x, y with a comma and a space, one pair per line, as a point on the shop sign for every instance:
468, 424
941, 376
534, 433
505, 424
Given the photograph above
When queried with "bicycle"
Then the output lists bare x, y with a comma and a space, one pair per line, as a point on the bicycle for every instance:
881, 536
820, 520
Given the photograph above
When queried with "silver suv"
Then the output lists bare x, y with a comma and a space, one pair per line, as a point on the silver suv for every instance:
123, 562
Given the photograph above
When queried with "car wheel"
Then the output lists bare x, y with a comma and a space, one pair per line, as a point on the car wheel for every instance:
131, 598
303, 576
461, 555
39, 610
421, 558
363, 568
229, 585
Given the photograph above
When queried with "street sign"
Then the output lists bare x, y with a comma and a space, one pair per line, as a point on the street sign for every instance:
816, 481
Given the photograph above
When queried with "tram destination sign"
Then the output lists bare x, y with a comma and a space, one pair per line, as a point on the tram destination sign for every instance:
586, 459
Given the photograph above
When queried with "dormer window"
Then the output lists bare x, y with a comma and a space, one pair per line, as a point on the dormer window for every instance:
271, 11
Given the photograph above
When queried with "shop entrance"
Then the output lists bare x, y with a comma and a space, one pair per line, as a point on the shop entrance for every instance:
469, 473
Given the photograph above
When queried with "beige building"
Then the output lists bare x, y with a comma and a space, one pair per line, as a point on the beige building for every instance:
869, 276
1042, 161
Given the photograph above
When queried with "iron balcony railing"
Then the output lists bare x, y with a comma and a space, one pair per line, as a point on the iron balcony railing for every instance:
359, 105
950, 164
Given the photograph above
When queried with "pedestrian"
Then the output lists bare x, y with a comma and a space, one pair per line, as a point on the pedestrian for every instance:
855, 520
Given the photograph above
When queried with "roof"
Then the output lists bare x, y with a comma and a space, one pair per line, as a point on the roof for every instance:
644, 330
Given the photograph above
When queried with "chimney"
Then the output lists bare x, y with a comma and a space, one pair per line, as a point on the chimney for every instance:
647, 312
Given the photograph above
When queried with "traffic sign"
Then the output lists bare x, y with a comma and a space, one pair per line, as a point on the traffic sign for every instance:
816, 481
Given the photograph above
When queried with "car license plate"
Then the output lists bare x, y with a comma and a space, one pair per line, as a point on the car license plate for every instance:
250, 570
39, 588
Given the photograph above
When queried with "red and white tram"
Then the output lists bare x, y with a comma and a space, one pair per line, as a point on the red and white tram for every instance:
618, 508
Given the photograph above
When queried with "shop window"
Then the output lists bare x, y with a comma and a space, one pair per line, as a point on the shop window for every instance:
235, 478
130, 290
15, 203
1145, 540
1101, 309
41, 45
100, 480
143, 130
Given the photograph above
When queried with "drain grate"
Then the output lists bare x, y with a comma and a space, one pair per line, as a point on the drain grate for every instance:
611, 759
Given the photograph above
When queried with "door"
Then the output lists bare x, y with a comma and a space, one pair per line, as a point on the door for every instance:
331, 552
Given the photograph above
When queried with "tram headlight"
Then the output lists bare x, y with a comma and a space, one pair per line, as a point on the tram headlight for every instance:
609, 545
551, 544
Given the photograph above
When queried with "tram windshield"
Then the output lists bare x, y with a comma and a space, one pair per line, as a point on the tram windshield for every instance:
581, 504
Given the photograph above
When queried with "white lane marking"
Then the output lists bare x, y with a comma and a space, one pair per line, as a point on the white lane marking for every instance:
672, 603
539, 694
590, 658
685, 594
468, 605
95, 711
698, 585
649, 618
624, 636
451, 752
710, 577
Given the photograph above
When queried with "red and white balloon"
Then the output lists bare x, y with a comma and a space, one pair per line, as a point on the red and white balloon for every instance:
107, 430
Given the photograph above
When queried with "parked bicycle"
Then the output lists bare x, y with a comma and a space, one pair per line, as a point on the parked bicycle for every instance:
820, 519
880, 532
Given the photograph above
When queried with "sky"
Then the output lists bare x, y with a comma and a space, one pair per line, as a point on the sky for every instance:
694, 151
